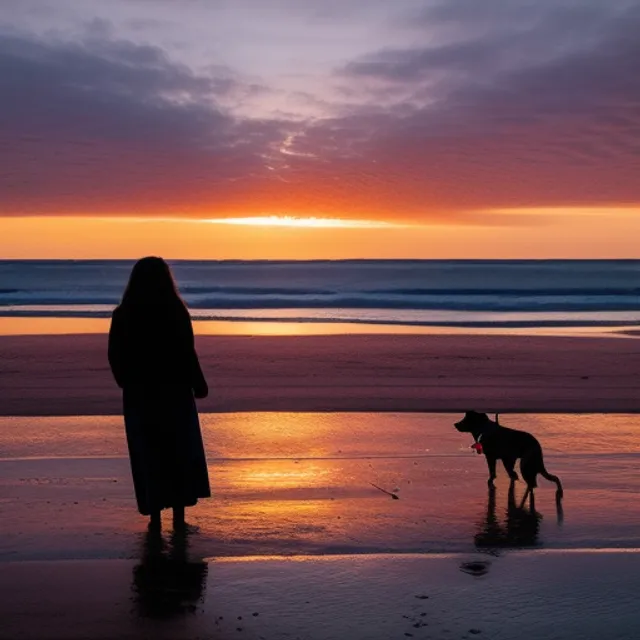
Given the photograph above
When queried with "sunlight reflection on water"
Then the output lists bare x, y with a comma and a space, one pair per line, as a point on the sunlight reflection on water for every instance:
286, 483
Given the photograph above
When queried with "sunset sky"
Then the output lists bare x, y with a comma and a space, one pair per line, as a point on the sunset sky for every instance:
320, 129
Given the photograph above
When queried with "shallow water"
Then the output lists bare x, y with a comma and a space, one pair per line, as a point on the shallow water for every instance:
301, 483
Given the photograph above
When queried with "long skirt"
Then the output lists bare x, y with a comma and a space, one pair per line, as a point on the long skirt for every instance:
167, 456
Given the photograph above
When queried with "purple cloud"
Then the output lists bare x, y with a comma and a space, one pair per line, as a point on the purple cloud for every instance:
420, 110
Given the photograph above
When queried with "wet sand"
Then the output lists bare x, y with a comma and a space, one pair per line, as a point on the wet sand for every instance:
68, 374
533, 595
301, 484
296, 533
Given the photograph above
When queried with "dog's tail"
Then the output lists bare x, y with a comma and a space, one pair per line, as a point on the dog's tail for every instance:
549, 476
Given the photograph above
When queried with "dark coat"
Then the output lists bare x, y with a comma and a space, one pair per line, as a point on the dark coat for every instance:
153, 359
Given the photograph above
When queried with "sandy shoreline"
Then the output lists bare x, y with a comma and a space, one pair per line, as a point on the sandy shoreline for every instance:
550, 596
296, 533
68, 374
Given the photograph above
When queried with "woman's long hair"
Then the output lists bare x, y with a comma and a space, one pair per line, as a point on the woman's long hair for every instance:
151, 284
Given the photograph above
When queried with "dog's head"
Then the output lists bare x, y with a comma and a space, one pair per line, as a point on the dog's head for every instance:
473, 422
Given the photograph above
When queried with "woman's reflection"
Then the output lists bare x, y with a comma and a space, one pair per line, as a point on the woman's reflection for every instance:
166, 583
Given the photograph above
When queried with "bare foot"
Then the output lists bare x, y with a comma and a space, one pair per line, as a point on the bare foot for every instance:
183, 528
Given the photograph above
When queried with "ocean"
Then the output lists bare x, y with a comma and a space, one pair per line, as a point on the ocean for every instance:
455, 293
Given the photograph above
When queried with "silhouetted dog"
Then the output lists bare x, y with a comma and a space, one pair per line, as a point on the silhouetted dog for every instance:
499, 443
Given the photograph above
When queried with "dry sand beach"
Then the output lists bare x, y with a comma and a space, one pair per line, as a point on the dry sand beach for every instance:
69, 375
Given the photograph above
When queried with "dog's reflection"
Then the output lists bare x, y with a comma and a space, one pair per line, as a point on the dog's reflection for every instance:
520, 528
166, 583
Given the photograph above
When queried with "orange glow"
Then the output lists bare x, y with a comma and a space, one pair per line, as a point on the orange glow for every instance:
281, 475
524, 233
17, 326
314, 223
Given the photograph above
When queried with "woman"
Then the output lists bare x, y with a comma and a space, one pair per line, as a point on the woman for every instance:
153, 359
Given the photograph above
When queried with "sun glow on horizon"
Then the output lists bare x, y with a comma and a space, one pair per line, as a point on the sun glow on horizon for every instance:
524, 234
309, 222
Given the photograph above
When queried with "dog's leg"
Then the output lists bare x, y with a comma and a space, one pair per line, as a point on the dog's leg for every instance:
528, 493
511, 498
509, 464
491, 463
